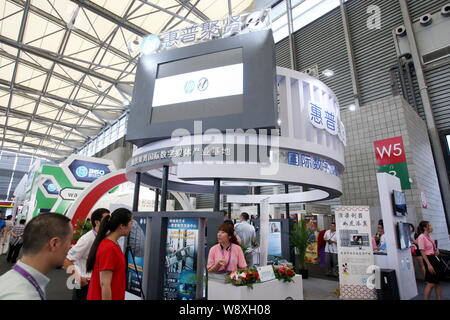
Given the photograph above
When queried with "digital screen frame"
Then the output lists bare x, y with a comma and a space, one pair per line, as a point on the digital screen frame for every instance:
258, 101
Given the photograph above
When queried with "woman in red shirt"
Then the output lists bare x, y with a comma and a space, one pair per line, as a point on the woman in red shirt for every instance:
106, 259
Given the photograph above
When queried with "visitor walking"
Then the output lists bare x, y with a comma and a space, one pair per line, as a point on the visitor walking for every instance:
77, 257
433, 266
16, 241
106, 259
331, 250
46, 241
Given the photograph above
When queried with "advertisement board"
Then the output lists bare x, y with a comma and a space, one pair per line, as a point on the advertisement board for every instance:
88, 171
355, 253
135, 267
275, 239
180, 280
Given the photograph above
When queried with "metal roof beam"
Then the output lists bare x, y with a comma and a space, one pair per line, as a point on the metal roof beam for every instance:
57, 75
63, 24
35, 146
190, 7
49, 55
108, 15
21, 88
40, 135
167, 11
33, 155
42, 120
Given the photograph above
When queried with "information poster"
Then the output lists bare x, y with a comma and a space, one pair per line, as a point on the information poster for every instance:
275, 239
312, 254
135, 268
355, 253
180, 281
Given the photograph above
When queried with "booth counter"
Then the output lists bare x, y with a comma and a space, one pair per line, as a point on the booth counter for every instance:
270, 290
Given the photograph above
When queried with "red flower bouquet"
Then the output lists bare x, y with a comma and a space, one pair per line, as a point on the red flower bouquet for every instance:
284, 273
243, 277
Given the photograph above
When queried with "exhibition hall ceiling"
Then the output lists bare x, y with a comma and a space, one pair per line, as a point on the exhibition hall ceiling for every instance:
67, 68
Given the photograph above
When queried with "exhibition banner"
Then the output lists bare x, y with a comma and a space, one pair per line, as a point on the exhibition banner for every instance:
180, 281
135, 267
355, 253
275, 239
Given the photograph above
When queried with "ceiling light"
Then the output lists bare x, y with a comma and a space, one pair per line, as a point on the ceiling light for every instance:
328, 73
99, 84
150, 44
352, 107
126, 102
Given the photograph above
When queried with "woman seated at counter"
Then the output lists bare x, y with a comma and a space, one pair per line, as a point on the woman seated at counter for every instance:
227, 255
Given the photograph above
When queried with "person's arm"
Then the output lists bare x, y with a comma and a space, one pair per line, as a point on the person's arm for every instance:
213, 265
425, 259
76, 253
105, 284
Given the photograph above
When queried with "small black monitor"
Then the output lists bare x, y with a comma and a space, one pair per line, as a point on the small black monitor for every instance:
399, 203
403, 236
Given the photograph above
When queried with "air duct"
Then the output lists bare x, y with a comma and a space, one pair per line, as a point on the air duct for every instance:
426, 20
400, 31
445, 11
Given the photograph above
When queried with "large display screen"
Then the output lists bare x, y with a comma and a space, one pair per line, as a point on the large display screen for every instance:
226, 84
197, 87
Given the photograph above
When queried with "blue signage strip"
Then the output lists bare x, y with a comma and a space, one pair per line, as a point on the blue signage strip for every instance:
86, 171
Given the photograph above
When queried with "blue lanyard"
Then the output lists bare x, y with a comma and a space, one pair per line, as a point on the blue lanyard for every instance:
30, 278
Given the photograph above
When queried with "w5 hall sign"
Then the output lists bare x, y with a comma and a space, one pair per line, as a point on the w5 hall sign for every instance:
389, 151
391, 158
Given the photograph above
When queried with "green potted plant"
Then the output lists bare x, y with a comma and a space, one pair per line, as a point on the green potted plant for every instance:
300, 238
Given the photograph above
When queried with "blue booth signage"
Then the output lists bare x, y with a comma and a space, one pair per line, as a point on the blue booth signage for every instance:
86, 171
50, 187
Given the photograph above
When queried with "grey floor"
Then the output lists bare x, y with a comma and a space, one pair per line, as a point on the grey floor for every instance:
317, 287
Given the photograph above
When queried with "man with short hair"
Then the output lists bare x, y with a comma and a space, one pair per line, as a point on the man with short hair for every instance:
77, 257
46, 241
331, 250
16, 241
246, 231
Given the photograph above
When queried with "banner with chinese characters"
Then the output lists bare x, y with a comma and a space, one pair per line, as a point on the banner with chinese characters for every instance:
327, 118
355, 252
208, 30
391, 158
180, 281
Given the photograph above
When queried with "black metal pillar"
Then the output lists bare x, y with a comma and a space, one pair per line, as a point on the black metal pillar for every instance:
216, 194
137, 186
156, 200
258, 206
164, 182
229, 211
286, 190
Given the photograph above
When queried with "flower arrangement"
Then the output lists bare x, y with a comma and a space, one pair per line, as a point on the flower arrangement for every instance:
284, 273
243, 277
80, 229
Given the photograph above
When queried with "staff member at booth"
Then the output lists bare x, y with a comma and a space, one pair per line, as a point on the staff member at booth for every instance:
227, 255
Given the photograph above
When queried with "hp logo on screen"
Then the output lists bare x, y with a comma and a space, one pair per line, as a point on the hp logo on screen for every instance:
203, 84
189, 86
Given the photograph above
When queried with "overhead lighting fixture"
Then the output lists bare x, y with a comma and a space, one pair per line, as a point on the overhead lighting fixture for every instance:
99, 85
150, 44
352, 107
279, 122
328, 73
126, 102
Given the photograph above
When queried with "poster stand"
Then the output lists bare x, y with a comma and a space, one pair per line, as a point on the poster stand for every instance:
155, 248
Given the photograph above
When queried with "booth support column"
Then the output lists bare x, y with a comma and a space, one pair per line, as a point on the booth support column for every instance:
137, 186
164, 182
229, 211
216, 194
258, 206
156, 200
286, 190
